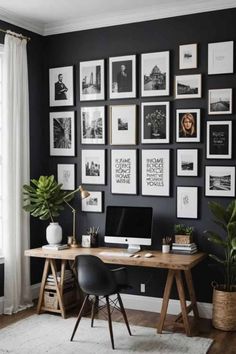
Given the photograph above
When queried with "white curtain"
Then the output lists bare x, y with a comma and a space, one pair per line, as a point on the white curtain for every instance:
15, 125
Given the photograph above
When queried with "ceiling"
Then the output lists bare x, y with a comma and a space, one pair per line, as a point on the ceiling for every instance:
59, 16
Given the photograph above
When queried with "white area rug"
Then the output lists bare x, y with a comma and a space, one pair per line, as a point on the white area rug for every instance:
45, 333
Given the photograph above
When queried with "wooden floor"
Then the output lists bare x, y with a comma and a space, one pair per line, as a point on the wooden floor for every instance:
224, 342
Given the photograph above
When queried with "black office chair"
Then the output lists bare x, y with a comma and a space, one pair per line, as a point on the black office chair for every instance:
97, 280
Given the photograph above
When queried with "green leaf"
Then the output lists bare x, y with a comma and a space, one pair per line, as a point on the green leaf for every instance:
233, 243
217, 259
215, 238
219, 212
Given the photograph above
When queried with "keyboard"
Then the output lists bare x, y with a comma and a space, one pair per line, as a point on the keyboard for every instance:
115, 254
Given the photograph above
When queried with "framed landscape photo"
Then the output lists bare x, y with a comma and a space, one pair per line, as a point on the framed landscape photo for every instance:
93, 166
219, 139
220, 101
156, 172
123, 125
92, 80
221, 58
155, 122
220, 181
188, 86
188, 125
62, 133
187, 162
93, 203
122, 77
187, 202
155, 74
66, 176
188, 56
61, 89
93, 125
123, 171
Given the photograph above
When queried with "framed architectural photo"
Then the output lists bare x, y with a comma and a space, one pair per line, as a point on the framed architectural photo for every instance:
93, 125
62, 133
221, 58
123, 171
155, 74
220, 181
93, 166
188, 56
187, 202
122, 77
188, 86
61, 89
220, 101
188, 125
123, 125
156, 172
93, 203
155, 122
187, 162
219, 139
92, 80
66, 176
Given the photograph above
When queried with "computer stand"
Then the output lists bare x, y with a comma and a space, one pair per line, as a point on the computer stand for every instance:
133, 248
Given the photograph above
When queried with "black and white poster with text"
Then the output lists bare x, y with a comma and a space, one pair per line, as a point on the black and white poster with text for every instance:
123, 171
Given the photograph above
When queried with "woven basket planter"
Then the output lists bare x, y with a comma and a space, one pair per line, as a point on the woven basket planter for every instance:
224, 310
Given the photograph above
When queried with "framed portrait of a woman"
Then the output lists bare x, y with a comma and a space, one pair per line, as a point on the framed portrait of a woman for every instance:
187, 125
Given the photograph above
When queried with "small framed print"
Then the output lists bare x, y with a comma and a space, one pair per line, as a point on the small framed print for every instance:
123, 125
155, 122
93, 166
61, 89
220, 101
66, 176
188, 86
155, 74
219, 139
156, 172
187, 125
92, 80
122, 77
123, 171
221, 58
188, 56
62, 133
187, 202
93, 203
187, 162
93, 125
220, 181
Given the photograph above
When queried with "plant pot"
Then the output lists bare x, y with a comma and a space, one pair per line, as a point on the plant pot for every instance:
224, 309
185, 239
54, 233
165, 248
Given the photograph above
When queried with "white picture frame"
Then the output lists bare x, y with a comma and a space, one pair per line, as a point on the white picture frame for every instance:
66, 176
219, 139
188, 124
220, 101
187, 162
220, 181
123, 124
221, 58
61, 88
91, 82
92, 121
187, 202
62, 133
188, 56
188, 86
93, 166
93, 203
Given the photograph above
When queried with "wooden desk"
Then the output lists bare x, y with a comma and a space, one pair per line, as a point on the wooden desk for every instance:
176, 264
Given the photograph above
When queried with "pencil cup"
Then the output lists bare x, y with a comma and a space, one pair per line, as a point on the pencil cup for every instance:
165, 248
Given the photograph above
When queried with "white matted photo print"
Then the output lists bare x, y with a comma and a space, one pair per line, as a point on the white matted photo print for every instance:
187, 162
66, 176
220, 181
93, 203
61, 90
93, 166
92, 80
221, 58
188, 125
219, 139
92, 125
188, 86
187, 202
123, 125
220, 101
188, 56
62, 133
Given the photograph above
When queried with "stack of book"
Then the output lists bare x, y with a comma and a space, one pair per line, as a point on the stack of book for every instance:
184, 248
55, 247
68, 279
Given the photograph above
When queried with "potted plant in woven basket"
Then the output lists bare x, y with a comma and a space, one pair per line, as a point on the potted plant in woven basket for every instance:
224, 295
183, 233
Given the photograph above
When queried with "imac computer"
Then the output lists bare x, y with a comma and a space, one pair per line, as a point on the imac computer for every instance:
129, 225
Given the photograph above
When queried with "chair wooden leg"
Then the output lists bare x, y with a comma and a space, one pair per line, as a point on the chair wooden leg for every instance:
109, 322
123, 312
94, 307
79, 317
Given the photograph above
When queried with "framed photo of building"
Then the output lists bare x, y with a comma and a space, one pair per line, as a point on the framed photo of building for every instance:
220, 101
221, 58
187, 162
156, 172
92, 80
122, 77
123, 171
93, 203
220, 181
123, 125
155, 74
219, 139
66, 176
62, 133
187, 202
93, 166
61, 89
93, 125
155, 122
188, 56
188, 86
188, 125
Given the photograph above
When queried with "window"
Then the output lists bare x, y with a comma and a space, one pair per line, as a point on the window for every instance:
1, 72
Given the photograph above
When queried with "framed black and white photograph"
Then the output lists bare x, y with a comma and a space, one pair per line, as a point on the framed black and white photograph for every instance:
219, 139
93, 166
122, 77
188, 125
93, 125
62, 133
66, 176
188, 56
220, 181
188, 86
187, 162
123, 171
61, 89
155, 122
123, 125
187, 202
93, 203
220, 101
92, 80
156, 172
155, 74
221, 58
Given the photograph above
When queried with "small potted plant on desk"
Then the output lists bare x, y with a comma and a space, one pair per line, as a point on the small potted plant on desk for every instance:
183, 233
